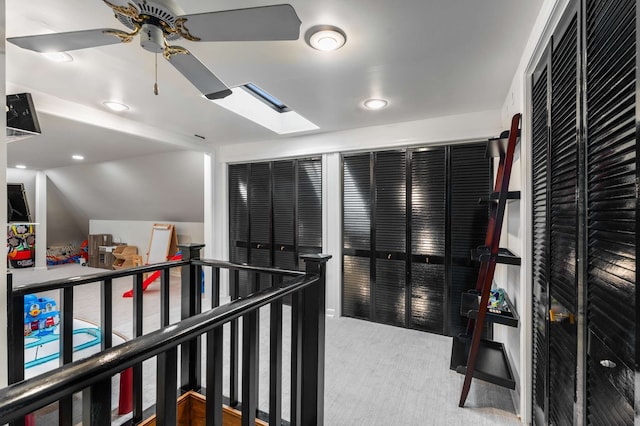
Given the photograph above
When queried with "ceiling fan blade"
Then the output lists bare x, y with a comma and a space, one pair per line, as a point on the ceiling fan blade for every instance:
196, 72
277, 22
60, 42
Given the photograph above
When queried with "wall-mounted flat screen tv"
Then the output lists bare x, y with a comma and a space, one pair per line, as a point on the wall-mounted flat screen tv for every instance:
17, 204
21, 115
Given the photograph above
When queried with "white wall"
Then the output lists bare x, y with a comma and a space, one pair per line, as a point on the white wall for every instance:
167, 186
138, 232
460, 128
3, 212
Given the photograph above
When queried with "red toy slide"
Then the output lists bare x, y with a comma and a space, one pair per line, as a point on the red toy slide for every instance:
151, 278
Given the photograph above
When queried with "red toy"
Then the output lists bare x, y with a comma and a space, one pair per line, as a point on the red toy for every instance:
151, 278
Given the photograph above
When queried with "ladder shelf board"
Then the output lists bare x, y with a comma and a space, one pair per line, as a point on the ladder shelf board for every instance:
492, 364
494, 197
505, 255
497, 147
470, 302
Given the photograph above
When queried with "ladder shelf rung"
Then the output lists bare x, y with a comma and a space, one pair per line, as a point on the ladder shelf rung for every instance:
494, 197
505, 256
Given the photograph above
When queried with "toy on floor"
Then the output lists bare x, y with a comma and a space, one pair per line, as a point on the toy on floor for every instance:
151, 278
40, 315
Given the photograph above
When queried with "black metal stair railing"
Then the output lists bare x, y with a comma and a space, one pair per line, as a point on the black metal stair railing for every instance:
92, 375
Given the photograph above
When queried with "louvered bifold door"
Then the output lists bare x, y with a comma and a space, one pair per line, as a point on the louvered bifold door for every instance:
563, 220
284, 196
612, 221
389, 289
356, 234
540, 241
428, 194
470, 177
309, 193
260, 219
239, 217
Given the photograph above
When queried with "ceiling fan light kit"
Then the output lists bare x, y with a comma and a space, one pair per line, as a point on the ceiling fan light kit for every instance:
159, 22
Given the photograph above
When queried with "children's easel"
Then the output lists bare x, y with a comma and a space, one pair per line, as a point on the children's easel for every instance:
163, 246
163, 243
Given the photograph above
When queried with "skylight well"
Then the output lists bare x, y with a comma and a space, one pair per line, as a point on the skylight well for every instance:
261, 107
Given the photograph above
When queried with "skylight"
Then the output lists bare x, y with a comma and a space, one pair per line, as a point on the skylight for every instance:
257, 105
263, 95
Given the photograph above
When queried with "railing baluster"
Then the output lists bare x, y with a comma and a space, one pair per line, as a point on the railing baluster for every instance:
215, 287
96, 404
164, 297
255, 287
15, 347
166, 387
234, 292
249, 368
65, 405
137, 332
275, 361
214, 377
106, 313
96, 400
295, 361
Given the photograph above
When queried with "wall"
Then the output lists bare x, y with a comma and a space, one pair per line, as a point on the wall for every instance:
167, 186
449, 129
63, 226
138, 232
3, 212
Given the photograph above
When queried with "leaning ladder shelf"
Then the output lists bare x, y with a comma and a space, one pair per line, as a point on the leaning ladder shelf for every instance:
472, 355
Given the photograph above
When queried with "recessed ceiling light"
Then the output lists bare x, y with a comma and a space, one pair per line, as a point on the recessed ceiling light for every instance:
77, 157
58, 56
20, 166
375, 103
325, 37
115, 106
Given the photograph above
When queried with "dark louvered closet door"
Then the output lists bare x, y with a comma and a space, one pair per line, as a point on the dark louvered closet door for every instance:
309, 206
260, 218
612, 179
540, 231
470, 177
428, 194
563, 219
389, 292
239, 217
284, 252
356, 231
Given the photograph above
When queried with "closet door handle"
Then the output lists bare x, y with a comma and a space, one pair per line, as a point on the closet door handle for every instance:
607, 363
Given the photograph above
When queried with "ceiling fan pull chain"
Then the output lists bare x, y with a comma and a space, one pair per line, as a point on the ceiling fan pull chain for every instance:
155, 85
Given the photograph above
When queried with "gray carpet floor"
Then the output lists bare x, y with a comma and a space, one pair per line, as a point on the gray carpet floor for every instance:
374, 374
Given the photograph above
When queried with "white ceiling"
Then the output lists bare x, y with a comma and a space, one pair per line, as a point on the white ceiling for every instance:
428, 58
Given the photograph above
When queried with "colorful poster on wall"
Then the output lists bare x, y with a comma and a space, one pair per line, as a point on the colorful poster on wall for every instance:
21, 245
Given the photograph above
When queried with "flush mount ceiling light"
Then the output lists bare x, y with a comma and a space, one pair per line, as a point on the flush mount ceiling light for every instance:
115, 106
20, 166
77, 157
58, 56
325, 37
375, 104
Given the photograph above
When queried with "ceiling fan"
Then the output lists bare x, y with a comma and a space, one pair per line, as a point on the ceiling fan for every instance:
159, 22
